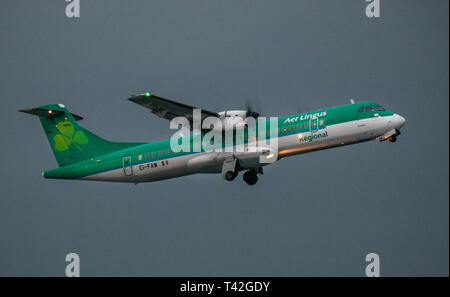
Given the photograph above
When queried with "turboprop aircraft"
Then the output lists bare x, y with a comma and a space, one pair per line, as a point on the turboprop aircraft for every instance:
82, 155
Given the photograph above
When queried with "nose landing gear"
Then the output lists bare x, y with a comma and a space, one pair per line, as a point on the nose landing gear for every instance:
392, 138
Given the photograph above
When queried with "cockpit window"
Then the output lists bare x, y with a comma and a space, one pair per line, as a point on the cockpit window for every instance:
374, 108
378, 108
361, 109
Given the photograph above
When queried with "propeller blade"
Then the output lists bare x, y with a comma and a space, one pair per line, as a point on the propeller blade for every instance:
250, 112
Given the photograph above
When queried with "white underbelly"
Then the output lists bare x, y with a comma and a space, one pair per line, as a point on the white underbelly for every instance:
211, 162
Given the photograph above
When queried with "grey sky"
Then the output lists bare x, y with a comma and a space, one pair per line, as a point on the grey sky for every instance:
316, 214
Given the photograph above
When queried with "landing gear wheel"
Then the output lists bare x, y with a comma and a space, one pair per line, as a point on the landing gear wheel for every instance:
230, 175
250, 177
393, 138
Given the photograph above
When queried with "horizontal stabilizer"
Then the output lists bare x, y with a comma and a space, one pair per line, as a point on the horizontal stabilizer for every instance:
41, 112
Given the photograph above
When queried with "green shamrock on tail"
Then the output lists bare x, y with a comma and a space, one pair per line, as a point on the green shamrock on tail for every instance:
67, 137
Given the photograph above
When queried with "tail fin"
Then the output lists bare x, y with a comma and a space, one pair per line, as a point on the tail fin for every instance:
69, 141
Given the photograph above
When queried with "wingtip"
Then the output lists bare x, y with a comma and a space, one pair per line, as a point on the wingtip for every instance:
146, 94
29, 111
137, 97
132, 97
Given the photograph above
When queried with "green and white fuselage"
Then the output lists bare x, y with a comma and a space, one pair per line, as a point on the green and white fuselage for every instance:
84, 156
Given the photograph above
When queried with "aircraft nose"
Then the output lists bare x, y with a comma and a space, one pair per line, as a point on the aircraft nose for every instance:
399, 121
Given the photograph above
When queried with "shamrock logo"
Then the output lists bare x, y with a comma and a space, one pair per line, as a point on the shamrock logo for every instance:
64, 140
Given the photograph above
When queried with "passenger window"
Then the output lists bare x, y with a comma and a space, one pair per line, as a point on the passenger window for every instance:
314, 124
321, 122
146, 156
284, 129
292, 128
153, 154
160, 153
299, 126
361, 109
306, 125
167, 152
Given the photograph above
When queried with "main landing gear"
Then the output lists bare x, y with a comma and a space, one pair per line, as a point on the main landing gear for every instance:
230, 169
251, 177
392, 138
230, 175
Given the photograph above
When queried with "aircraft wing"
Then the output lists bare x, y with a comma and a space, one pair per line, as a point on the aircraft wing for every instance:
168, 109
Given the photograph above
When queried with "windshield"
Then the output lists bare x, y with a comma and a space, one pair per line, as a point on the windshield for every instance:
374, 108
378, 108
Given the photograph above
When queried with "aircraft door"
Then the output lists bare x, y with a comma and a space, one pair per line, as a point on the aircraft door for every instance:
127, 166
314, 124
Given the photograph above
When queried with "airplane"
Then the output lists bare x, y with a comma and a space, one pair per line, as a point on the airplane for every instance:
82, 155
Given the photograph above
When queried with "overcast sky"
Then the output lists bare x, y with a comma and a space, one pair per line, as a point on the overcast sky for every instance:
315, 214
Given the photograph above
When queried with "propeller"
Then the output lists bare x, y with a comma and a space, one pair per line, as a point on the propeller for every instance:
250, 110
